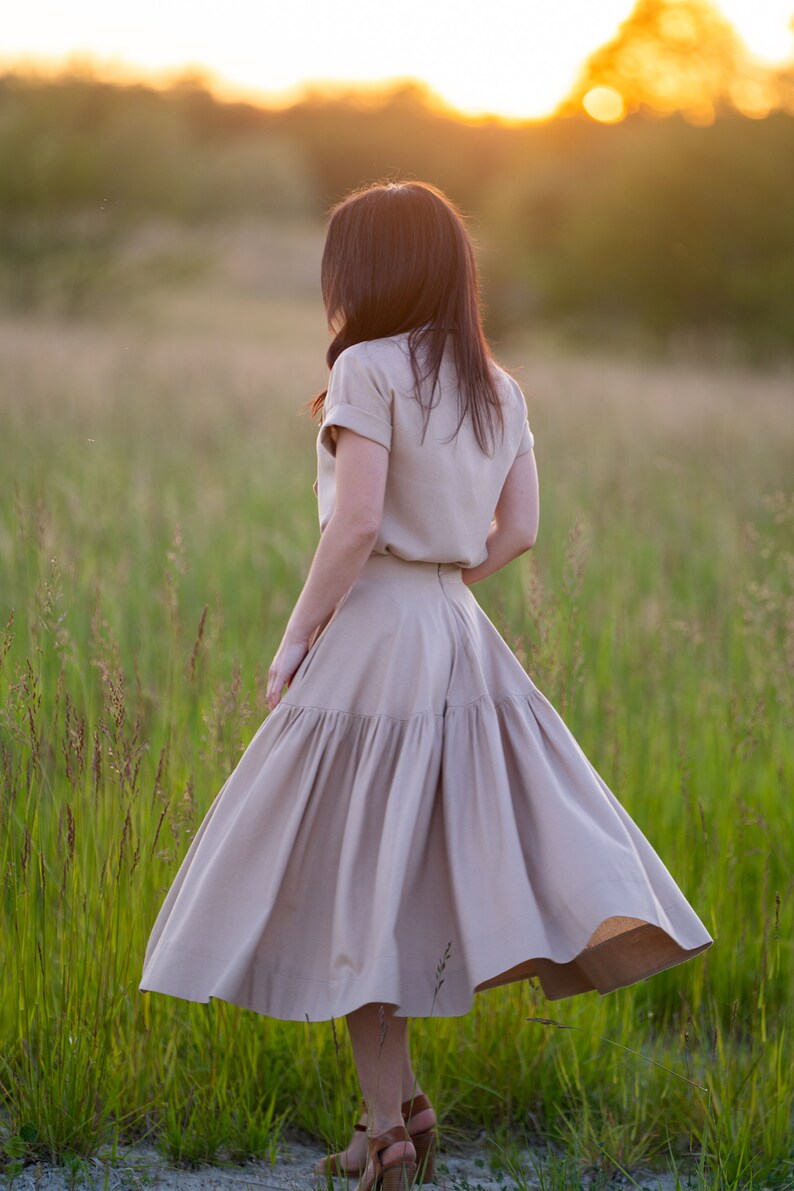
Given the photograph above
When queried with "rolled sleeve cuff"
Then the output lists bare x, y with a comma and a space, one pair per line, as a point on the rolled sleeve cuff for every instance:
527, 441
362, 421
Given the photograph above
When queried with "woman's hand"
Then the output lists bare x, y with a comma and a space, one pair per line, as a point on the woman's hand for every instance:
289, 656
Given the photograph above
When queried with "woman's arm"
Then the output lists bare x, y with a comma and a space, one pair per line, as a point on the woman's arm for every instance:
345, 545
515, 524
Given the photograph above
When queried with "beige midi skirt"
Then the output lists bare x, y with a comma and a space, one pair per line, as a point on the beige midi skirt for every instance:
412, 824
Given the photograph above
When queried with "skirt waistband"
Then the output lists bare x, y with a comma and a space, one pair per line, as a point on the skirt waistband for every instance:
444, 572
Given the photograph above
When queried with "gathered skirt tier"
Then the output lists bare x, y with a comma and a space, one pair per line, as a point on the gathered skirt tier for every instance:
412, 824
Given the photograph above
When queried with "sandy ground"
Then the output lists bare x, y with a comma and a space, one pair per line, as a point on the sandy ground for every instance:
141, 1169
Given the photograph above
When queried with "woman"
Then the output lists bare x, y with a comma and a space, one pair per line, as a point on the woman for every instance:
413, 822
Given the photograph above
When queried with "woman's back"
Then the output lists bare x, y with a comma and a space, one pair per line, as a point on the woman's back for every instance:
441, 491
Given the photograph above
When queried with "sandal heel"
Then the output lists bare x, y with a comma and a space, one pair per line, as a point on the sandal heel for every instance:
400, 1177
425, 1146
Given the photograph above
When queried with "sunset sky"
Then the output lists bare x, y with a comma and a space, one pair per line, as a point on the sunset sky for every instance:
515, 58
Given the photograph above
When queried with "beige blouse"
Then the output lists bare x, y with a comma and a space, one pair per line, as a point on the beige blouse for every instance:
441, 493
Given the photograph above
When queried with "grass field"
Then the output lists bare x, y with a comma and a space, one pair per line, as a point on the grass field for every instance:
156, 522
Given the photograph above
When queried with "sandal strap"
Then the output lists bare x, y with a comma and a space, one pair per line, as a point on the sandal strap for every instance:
384, 1140
333, 1167
409, 1109
415, 1105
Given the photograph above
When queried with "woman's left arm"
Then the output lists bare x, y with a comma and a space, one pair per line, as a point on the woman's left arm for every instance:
344, 546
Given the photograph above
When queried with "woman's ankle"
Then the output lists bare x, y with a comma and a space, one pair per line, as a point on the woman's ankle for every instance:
378, 1125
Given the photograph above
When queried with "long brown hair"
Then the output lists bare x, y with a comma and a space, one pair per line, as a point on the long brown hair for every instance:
399, 258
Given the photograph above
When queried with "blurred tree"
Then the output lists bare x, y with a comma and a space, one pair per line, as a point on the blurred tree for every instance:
638, 222
657, 225
671, 56
78, 145
405, 131
82, 162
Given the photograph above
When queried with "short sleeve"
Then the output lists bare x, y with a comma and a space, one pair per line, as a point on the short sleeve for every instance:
355, 400
527, 440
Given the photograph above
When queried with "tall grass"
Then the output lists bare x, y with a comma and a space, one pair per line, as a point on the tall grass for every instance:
156, 521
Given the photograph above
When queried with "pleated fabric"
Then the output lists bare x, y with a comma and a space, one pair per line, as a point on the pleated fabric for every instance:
412, 824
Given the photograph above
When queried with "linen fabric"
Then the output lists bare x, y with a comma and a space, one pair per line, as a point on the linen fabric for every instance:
414, 823
440, 494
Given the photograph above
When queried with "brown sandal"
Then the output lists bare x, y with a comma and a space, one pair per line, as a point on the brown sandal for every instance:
399, 1175
424, 1144
330, 1164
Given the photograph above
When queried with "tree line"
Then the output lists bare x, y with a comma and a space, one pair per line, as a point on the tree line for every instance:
651, 223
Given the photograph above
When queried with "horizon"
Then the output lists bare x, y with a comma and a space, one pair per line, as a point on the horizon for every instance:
49, 42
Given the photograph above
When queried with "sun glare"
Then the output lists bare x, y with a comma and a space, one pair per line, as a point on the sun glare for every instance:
513, 58
767, 28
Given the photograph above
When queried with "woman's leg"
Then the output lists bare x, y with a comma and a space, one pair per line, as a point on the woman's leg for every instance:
378, 1039
354, 1158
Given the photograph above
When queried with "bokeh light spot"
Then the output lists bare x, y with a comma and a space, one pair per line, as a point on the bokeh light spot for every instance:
752, 98
605, 104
